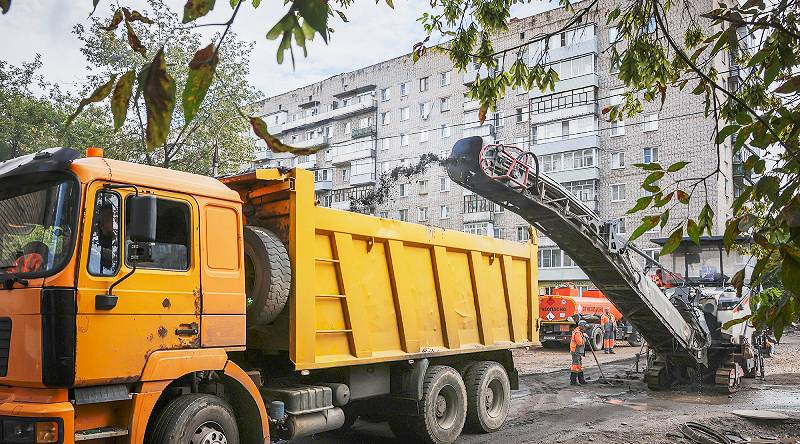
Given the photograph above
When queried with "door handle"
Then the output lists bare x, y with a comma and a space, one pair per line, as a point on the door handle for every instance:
189, 330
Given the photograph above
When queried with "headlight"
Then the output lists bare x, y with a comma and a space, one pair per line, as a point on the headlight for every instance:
18, 431
30, 431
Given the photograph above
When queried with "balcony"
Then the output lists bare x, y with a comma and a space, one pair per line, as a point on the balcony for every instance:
343, 205
572, 50
583, 81
561, 274
362, 132
320, 140
485, 130
567, 144
365, 104
585, 173
323, 185
470, 105
307, 165
478, 209
363, 178
564, 113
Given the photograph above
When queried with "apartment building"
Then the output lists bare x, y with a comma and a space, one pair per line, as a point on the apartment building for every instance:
381, 116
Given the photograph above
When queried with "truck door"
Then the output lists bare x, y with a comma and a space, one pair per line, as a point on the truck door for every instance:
156, 308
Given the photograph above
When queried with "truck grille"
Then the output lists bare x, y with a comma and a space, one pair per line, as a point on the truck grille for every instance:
5, 344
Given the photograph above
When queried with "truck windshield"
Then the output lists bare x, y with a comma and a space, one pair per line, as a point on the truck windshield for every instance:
37, 224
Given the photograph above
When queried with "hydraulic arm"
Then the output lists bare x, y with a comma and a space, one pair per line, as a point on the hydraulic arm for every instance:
511, 177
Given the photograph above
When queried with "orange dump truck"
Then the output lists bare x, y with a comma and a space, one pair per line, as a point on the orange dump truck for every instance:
146, 305
560, 311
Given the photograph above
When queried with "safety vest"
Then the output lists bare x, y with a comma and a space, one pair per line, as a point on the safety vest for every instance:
576, 344
607, 319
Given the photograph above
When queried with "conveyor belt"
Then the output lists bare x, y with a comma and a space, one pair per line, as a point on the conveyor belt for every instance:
510, 177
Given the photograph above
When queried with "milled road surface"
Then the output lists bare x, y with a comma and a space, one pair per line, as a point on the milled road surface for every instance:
547, 410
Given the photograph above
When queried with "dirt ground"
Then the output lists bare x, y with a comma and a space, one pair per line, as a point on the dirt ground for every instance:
547, 410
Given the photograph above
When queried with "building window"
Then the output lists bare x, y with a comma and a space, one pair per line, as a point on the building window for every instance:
617, 128
549, 258
576, 67
444, 104
424, 83
616, 96
444, 212
348, 127
322, 175
383, 214
402, 215
422, 186
405, 113
582, 189
424, 110
498, 233
650, 155
619, 227
497, 118
569, 160
653, 253
617, 160
618, 192
520, 115
345, 173
444, 78
404, 89
444, 131
403, 139
613, 35
386, 118
444, 184
386, 94
423, 214
479, 228
424, 136
403, 190
650, 122
523, 233
566, 99
565, 129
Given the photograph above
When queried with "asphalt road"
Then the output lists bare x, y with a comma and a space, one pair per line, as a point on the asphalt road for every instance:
547, 410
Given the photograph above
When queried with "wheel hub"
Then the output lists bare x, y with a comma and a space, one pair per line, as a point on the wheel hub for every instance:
209, 434
488, 399
441, 406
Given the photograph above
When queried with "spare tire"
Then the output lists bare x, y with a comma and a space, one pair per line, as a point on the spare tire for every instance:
268, 275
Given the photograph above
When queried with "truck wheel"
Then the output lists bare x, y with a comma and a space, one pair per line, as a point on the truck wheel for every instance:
268, 275
635, 339
596, 338
488, 396
195, 419
444, 406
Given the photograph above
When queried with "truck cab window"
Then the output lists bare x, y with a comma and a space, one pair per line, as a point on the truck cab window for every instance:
171, 249
104, 244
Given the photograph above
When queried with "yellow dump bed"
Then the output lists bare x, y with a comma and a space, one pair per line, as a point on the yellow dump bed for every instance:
367, 289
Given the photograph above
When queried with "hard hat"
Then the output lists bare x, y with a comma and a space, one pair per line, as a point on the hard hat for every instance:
583, 323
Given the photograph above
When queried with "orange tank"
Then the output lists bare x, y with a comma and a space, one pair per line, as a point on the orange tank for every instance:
567, 302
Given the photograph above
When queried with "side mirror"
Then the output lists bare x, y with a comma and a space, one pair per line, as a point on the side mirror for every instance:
142, 214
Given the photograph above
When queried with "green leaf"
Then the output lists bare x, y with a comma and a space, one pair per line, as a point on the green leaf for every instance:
693, 230
731, 233
768, 187
275, 145
790, 86
790, 272
739, 201
726, 132
315, 12
737, 321
133, 40
100, 93
159, 100
683, 197
653, 166
194, 9
121, 97
94, 6
677, 166
664, 219
652, 178
390, 3
791, 212
201, 73
256, 3
673, 242
641, 204
648, 223
6, 4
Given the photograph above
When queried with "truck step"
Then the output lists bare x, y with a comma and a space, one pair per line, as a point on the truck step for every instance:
100, 433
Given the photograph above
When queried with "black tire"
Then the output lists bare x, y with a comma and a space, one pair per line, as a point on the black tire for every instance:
635, 339
443, 405
351, 415
190, 418
268, 275
596, 338
488, 396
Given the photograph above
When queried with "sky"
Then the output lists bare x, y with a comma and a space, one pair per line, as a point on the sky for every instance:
374, 33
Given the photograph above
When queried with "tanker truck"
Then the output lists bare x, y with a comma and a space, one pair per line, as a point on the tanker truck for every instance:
156, 306
561, 310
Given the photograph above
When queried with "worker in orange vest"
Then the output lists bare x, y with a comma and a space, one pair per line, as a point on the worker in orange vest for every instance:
609, 326
577, 348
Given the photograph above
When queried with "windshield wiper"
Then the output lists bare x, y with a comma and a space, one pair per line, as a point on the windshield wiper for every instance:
8, 283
